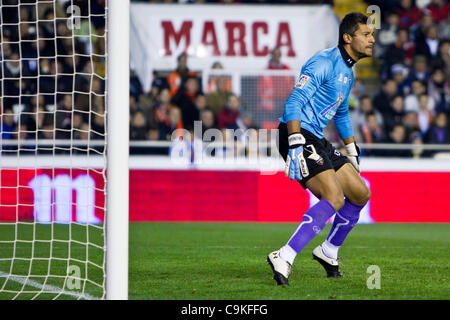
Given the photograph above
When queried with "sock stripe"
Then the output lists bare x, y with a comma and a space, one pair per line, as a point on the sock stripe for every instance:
338, 226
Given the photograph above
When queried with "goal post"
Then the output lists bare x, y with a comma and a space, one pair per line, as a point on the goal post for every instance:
118, 22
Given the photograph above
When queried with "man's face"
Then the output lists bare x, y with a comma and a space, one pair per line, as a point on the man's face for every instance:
276, 55
362, 41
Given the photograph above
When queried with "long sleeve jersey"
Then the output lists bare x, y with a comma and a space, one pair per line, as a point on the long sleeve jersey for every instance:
321, 93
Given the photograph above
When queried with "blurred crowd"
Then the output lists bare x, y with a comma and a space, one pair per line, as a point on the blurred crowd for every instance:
54, 87
53, 71
413, 55
412, 106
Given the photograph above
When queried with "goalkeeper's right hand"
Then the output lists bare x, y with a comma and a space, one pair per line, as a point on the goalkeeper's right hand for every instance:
295, 162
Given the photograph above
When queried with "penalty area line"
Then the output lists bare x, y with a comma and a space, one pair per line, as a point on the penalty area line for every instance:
24, 280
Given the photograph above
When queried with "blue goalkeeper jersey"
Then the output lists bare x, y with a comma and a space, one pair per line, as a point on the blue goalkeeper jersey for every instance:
321, 93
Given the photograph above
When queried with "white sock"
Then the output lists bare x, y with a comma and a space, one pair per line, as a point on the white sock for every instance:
330, 250
288, 254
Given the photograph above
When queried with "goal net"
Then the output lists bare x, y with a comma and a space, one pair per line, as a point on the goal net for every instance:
53, 154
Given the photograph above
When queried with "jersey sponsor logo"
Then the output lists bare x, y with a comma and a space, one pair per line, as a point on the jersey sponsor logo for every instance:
330, 111
302, 81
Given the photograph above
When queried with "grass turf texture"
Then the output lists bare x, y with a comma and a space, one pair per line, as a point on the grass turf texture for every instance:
227, 261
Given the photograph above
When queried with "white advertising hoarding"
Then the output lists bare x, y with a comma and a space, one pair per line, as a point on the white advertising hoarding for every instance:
238, 36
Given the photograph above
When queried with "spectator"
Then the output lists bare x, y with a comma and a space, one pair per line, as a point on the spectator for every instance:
401, 51
133, 105
419, 30
273, 89
442, 60
139, 126
408, 13
444, 28
440, 10
212, 84
359, 116
173, 122
424, 115
412, 100
159, 81
419, 70
228, 116
98, 120
410, 123
439, 91
382, 100
176, 78
200, 103
135, 85
397, 135
371, 129
416, 139
161, 109
8, 126
218, 99
63, 119
388, 33
395, 113
185, 100
84, 133
399, 73
208, 120
149, 100
77, 126
275, 61
429, 45
439, 132
44, 124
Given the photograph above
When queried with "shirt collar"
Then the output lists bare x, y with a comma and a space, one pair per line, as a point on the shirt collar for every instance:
349, 61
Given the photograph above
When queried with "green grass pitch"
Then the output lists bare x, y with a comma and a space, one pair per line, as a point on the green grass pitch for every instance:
227, 261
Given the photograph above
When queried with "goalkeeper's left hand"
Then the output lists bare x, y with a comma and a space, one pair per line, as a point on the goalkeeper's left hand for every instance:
353, 153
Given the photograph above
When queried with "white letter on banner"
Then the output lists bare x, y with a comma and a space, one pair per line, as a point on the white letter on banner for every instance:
42, 192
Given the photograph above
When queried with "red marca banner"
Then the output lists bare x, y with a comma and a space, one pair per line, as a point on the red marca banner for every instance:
63, 196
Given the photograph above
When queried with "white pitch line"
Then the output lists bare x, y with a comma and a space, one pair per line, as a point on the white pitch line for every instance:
45, 288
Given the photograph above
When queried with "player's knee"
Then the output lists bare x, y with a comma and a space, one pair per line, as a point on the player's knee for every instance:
364, 196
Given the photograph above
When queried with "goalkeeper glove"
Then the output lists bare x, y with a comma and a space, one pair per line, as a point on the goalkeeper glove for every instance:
353, 153
295, 162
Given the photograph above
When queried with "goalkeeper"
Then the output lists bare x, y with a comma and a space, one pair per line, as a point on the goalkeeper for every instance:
320, 95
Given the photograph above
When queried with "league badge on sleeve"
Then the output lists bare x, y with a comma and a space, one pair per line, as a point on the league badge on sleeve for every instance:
302, 81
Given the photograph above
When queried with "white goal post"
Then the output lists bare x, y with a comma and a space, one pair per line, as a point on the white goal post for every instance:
118, 147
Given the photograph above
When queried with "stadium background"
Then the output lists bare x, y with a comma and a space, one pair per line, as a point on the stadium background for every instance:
399, 105
400, 122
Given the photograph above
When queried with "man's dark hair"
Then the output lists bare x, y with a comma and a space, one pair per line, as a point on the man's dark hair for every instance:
350, 24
